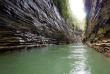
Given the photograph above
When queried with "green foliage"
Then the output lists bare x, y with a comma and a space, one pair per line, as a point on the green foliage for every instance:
63, 8
66, 13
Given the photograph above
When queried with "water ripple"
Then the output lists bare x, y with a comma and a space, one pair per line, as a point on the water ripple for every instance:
79, 64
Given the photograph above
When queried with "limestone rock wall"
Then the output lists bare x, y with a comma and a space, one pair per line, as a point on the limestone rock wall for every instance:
31, 23
78, 36
97, 33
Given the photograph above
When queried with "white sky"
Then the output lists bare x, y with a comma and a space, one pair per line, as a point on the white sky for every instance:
77, 7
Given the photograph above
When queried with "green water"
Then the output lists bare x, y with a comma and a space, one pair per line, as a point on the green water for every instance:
62, 59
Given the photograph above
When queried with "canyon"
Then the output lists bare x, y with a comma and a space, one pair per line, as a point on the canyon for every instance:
43, 37
39, 23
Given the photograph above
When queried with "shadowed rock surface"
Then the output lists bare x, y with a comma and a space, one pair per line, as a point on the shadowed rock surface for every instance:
77, 36
97, 33
31, 23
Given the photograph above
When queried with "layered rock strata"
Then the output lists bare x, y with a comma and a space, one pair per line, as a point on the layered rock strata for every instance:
31, 23
97, 33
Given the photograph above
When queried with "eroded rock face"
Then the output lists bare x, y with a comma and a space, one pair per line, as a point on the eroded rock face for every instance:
98, 26
77, 36
31, 23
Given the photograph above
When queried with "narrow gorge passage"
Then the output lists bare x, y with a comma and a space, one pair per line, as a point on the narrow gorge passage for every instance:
59, 59
54, 36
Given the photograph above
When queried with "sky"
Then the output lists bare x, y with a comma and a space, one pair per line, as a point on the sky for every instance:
77, 7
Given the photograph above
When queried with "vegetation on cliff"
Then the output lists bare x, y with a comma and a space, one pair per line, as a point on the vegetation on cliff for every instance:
97, 34
31, 23
65, 11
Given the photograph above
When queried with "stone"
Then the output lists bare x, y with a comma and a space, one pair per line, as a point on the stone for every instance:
31, 23
98, 26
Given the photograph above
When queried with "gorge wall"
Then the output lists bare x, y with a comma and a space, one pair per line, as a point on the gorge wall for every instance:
78, 36
31, 23
97, 33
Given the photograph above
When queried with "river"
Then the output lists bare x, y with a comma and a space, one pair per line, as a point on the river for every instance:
58, 59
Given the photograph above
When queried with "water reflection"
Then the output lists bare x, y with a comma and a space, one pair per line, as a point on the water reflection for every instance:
61, 59
80, 57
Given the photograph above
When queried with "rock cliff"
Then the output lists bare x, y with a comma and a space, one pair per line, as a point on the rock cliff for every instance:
78, 36
31, 23
97, 33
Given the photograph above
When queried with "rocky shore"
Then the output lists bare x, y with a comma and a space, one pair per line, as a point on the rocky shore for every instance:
103, 47
97, 33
